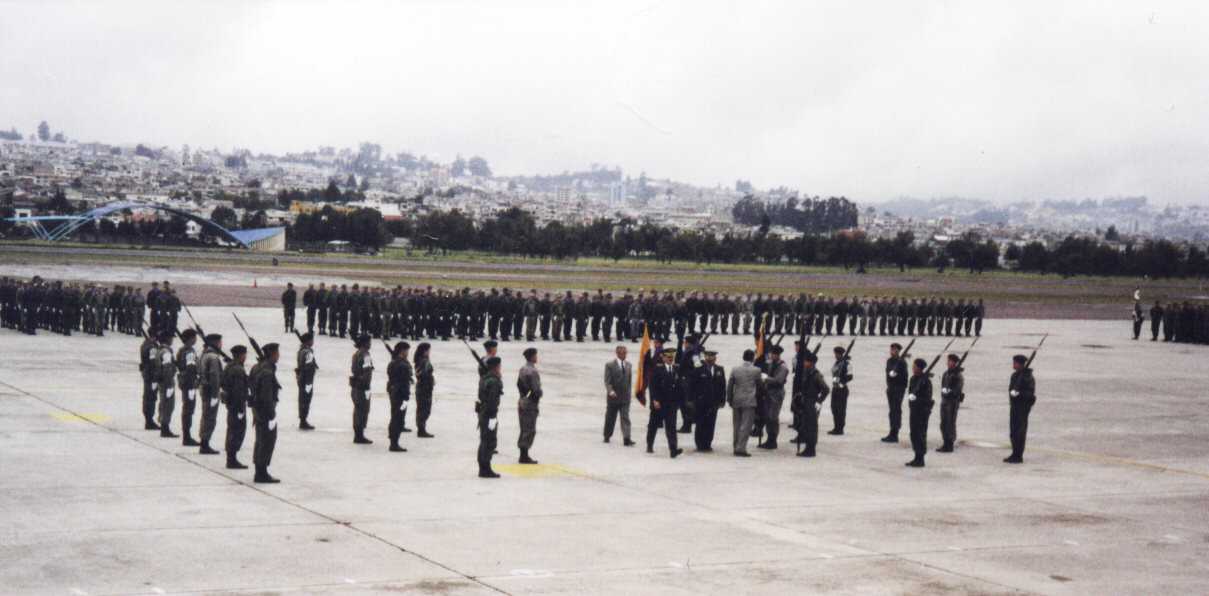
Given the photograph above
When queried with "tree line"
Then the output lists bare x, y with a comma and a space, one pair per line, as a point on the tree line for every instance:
809, 215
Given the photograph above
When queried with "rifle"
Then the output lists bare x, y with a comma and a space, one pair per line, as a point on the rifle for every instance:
928, 371
202, 335
907, 351
701, 344
479, 360
255, 344
1029, 363
848, 350
298, 335
967, 352
816, 349
389, 349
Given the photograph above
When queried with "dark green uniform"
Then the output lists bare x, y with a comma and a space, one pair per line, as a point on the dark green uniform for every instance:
490, 391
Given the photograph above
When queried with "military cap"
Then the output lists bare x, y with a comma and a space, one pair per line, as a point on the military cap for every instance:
308, 336
188, 334
399, 347
669, 351
954, 357
776, 349
896, 346
269, 349
529, 353
237, 350
920, 362
493, 362
711, 353
362, 340
489, 344
1019, 359
213, 338
810, 357
839, 350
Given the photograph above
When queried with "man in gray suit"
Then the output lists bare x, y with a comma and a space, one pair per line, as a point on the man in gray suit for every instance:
617, 376
741, 395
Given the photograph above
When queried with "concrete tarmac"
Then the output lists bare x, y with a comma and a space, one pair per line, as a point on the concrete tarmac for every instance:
1113, 497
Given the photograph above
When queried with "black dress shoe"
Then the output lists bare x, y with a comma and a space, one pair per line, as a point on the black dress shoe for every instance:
915, 464
362, 441
207, 450
189, 442
167, 434
488, 474
425, 435
806, 454
628, 443
677, 452
742, 454
233, 464
265, 479
304, 425
606, 439
944, 449
1013, 460
650, 449
150, 426
890, 439
525, 459
835, 431
405, 429
397, 448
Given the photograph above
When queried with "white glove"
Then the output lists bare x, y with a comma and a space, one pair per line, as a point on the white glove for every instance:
213, 403
1014, 393
911, 397
239, 415
171, 393
893, 374
835, 380
188, 396
272, 424
155, 387
945, 390
818, 407
309, 388
764, 377
493, 424
403, 407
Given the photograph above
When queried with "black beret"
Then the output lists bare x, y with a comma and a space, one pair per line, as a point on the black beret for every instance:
493, 362
269, 348
399, 347
237, 350
896, 346
1019, 359
529, 353
839, 350
810, 357
491, 343
920, 362
213, 337
308, 336
188, 334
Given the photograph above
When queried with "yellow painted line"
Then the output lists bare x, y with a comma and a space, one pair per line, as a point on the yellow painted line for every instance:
1108, 459
81, 418
537, 470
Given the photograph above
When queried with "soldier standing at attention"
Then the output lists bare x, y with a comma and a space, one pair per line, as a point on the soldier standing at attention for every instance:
186, 366
1022, 394
264, 409
308, 302
952, 385
741, 395
665, 399
235, 396
321, 307
920, 402
490, 390
147, 368
776, 375
360, 379
165, 379
814, 391
398, 386
529, 386
425, 381
618, 383
1138, 317
304, 374
1156, 318
841, 375
896, 386
710, 393
211, 386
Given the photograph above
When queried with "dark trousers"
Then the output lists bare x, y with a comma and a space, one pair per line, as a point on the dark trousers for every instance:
360, 411
808, 427
304, 400
613, 410
1137, 328
839, 408
266, 440
528, 425
919, 429
398, 417
322, 321
188, 404
237, 427
487, 442
948, 421
706, 419
664, 417
1018, 425
544, 326
288, 311
209, 413
1154, 329
149, 398
423, 408
310, 319
894, 399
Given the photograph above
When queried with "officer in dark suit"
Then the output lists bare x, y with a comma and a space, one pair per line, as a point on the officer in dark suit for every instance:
709, 390
666, 394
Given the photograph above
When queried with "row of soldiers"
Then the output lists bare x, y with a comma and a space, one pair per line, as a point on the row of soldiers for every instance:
64, 308
506, 314
1182, 322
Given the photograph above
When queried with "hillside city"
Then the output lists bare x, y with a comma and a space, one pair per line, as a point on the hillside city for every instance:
39, 170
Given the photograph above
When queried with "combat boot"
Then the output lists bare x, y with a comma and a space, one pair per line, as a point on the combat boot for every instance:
525, 459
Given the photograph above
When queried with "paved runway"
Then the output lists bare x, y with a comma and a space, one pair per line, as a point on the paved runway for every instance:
1113, 498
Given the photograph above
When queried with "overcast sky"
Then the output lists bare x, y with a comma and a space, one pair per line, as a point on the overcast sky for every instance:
872, 100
